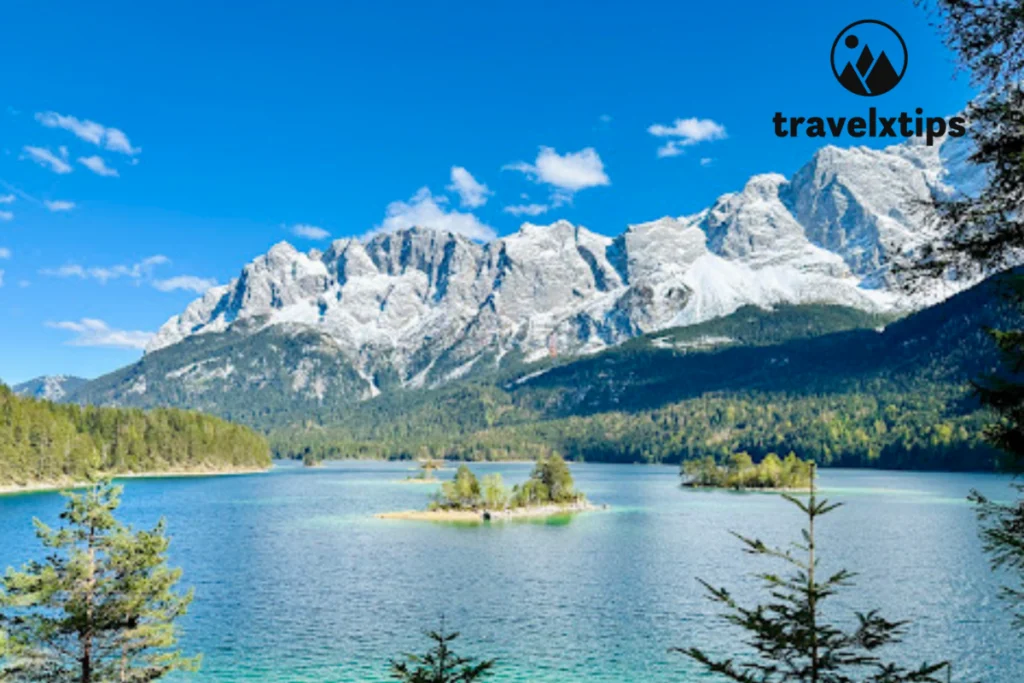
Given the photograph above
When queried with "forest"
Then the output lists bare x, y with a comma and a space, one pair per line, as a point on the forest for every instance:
887, 430
896, 397
45, 442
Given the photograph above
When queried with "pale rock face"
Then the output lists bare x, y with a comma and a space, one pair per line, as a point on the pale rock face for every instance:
431, 306
49, 387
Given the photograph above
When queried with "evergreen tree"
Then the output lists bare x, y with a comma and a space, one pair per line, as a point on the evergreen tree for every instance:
462, 492
554, 474
1003, 538
440, 664
101, 607
495, 495
986, 231
791, 640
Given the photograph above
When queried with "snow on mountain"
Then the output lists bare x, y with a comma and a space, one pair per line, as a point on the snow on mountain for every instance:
49, 387
429, 305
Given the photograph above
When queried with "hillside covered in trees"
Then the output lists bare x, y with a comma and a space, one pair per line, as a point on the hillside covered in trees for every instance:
898, 397
46, 442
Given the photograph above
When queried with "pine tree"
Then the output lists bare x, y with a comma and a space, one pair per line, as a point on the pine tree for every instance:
791, 640
986, 232
101, 607
440, 664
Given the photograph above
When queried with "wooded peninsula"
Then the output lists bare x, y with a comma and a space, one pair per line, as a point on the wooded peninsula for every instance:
42, 442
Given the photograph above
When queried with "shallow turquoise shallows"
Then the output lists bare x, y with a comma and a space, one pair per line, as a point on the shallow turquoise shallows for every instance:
297, 581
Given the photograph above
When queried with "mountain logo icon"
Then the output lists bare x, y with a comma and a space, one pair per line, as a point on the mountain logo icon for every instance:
869, 57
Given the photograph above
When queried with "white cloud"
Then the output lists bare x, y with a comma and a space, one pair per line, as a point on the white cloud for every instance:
706, 161
526, 209
190, 283
109, 138
117, 141
7, 199
134, 271
97, 165
24, 283
5, 253
571, 172
65, 271
93, 332
47, 159
686, 132
472, 194
6, 215
424, 210
1, 278
310, 232
58, 205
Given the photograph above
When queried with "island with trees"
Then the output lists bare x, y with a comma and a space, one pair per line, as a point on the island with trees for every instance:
48, 445
427, 472
549, 491
741, 473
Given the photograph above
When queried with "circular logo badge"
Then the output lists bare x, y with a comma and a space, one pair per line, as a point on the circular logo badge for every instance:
869, 57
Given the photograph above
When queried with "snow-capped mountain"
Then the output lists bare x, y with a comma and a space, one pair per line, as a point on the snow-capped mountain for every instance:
49, 387
421, 307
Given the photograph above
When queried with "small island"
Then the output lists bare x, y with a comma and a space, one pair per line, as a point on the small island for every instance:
741, 473
549, 491
426, 472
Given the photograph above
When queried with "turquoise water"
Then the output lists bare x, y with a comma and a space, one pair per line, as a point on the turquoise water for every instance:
296, 581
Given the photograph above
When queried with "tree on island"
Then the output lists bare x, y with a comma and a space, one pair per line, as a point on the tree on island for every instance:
550, 482
495, 495
440, 664
101, 607
461, 492
985, 234
789, 637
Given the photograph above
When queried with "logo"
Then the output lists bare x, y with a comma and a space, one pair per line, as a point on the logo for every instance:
869, 57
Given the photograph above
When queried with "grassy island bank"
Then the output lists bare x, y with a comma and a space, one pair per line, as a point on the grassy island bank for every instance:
549, 491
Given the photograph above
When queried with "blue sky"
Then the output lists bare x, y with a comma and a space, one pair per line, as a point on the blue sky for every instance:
150, 148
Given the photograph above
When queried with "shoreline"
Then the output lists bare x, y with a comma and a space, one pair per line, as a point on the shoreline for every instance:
42, 487
747, 489
481, 515
672, 465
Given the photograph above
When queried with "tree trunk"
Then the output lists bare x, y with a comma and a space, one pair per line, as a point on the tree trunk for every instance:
811, 589
87, 633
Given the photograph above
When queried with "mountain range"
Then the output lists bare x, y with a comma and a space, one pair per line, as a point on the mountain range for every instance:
780, 295
420, 308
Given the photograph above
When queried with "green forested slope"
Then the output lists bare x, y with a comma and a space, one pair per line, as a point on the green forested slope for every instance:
41, 441
898, 397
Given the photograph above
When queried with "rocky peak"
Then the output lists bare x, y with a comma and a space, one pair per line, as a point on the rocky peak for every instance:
423, 305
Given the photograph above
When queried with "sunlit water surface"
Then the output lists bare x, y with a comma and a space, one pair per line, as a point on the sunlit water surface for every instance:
296, 580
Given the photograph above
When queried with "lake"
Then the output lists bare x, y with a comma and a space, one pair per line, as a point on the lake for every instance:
296, 580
